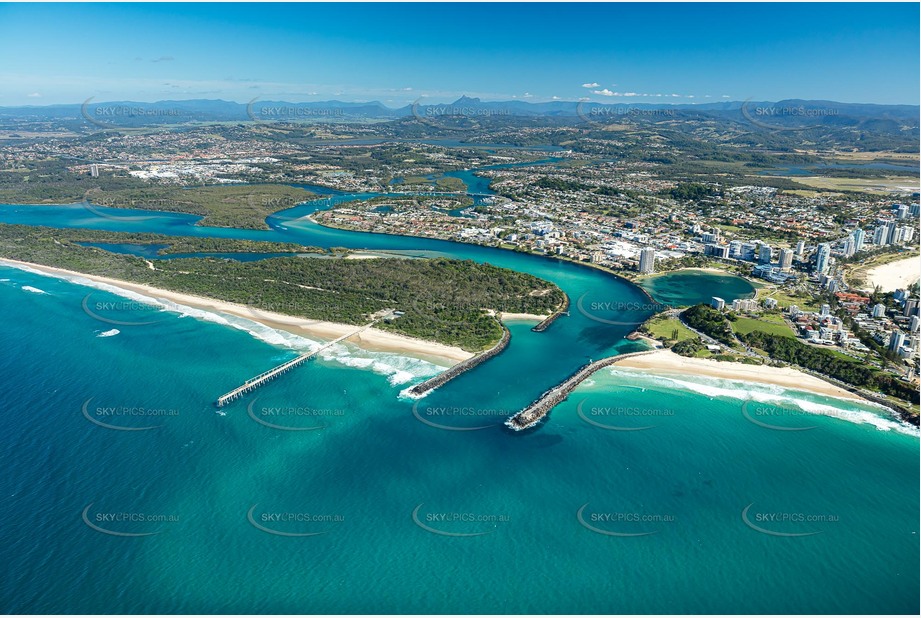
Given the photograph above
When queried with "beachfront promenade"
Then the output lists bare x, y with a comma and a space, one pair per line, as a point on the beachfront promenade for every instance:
534, 413
262, 378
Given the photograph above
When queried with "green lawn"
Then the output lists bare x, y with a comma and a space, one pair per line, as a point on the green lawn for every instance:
785, 299
772, 324
664, 329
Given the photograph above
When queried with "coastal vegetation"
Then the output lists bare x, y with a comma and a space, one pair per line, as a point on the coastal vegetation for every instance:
710, 322
772, 338
237, 205
443, 300
851, 371
167, 245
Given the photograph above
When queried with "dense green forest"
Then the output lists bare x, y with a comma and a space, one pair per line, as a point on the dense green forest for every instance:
710, 322
443, 300
167, 245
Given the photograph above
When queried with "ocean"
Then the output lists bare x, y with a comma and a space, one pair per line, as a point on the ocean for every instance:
331, 491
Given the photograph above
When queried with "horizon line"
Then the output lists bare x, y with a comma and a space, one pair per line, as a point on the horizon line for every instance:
461, 97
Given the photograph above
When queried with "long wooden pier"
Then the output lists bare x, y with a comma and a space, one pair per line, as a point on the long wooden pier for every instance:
262, 378
534, 413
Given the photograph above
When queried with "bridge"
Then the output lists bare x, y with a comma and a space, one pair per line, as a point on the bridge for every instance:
444, 194
254, 383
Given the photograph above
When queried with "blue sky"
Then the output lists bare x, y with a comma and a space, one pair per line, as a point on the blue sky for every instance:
397, 54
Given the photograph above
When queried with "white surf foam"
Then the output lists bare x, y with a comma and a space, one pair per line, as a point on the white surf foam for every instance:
29, 288
398, 369
880, 417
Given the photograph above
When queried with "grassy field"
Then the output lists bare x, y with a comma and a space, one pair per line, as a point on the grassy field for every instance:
785, 299
881, 155
875, 186
772, 324
664, 329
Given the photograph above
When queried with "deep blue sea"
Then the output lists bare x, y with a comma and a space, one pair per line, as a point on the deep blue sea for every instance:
330, 491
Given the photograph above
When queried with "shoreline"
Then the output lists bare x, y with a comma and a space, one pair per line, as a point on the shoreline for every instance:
373, 339
521, 317
558, 258
899, 274
706, 269
666, 362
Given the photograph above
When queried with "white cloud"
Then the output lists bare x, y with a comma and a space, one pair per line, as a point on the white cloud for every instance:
725, 96
555, 98
591, 85
527, 95
34, 95
649, 95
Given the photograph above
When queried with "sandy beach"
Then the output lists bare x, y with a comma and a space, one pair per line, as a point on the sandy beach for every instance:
666, 362
707, 269
521, 316
895, 275
372, 339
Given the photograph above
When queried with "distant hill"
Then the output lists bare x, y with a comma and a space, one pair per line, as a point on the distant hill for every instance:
791, 112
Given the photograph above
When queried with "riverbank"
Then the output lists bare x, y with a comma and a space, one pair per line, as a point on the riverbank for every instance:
373, 339
666, 362
560, 258
707, 269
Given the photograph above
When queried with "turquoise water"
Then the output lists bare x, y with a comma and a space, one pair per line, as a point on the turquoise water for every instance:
390, 483
700, 464
689, 287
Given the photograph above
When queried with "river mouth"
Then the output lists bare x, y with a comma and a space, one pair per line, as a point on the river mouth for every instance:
616, 306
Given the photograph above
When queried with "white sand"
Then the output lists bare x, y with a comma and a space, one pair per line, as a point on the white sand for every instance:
895, 275
666, 362
521, 316
372, 339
